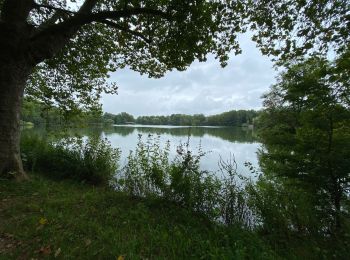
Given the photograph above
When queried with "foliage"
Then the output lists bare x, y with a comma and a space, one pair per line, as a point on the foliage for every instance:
146, 171
156, 36
230, 118
151, 37
234, 196
289, 30
91, 160
306, 135
190, 186
291, 223
121, 118
38, 113
233, 118
150, 173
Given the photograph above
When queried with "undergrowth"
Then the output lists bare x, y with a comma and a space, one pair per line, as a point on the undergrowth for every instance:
90, 160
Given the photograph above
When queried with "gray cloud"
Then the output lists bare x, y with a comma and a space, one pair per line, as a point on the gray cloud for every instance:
203, 88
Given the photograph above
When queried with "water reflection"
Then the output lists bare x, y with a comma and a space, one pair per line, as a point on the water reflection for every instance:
232, 134
217, 141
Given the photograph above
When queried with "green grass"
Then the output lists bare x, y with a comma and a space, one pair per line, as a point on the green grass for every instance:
42, 217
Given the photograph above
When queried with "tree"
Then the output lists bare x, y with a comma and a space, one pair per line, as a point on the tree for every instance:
306, 134
62, 51
123, 118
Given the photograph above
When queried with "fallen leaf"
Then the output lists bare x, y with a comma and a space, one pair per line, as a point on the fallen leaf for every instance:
58, 252
45, 250
43, 221
87, 242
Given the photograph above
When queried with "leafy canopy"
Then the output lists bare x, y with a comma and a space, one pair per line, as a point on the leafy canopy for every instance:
76, 43
150, 37
289, 29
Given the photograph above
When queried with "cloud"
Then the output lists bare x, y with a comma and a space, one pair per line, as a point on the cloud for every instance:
203, 88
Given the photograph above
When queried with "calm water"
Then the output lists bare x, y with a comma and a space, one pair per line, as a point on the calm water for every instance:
216, 141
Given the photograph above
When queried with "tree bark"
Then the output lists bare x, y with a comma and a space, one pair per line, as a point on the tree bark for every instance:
16, 65
13, 77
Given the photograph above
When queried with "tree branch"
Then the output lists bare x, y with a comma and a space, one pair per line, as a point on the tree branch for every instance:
125, 29
86, 7
46, 42
82, 18
37, 6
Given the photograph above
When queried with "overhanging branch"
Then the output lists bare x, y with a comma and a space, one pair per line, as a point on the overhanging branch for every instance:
48, 40
53, 8
80, 19
125, 29
86, 8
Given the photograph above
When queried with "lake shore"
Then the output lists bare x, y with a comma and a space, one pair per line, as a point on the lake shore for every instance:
43, 218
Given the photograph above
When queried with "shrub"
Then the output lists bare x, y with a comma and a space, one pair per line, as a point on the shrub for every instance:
190, 186
90, 160
150, 172
146, 171
235, 208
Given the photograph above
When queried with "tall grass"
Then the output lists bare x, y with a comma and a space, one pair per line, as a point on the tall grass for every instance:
92, 160
149, 172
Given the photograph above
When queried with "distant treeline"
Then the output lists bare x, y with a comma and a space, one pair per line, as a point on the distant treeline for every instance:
38, 113
231, 118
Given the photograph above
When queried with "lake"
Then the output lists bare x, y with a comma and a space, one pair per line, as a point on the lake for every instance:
216, 141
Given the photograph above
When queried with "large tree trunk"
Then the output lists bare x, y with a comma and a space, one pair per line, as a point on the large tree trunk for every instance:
15, 68
13, 77
20, 51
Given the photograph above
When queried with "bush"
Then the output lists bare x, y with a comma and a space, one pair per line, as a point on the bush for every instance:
146, 171
192, 187
150, 173
234, 206
92, 160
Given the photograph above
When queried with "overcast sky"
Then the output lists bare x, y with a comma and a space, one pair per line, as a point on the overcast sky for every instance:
203, 88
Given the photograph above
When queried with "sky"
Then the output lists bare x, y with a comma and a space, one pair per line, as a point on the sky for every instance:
204, 88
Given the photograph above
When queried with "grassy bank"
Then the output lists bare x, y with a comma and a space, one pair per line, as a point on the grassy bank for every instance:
43, 218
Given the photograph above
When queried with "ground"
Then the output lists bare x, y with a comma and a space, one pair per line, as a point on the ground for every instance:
45, 219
